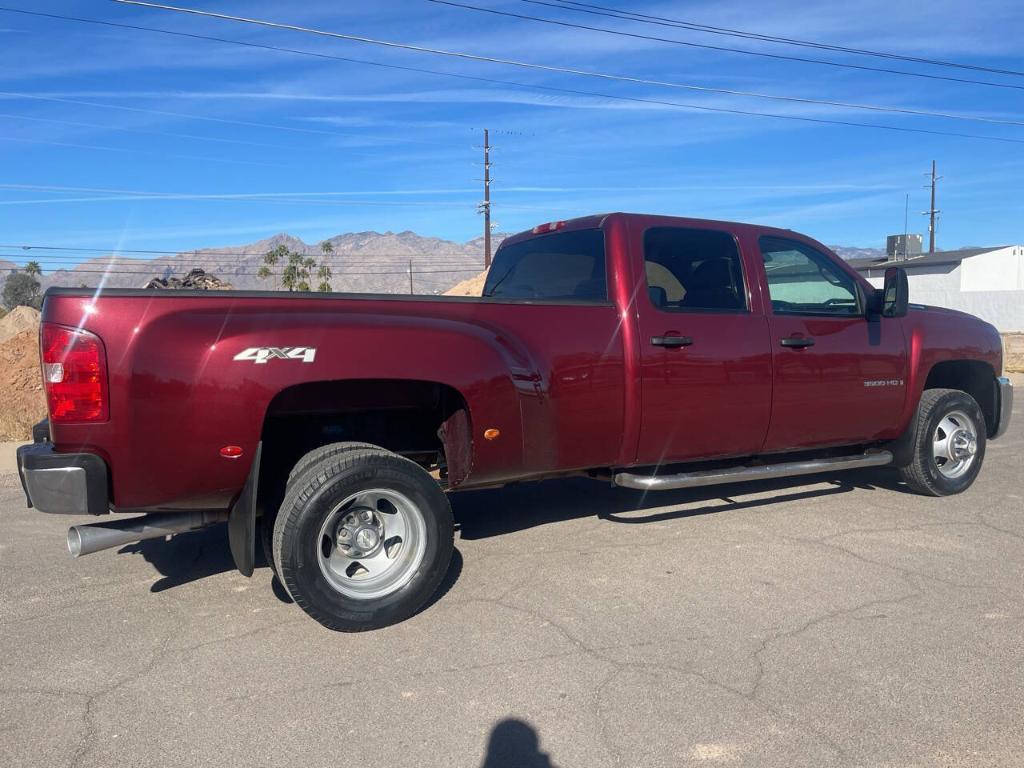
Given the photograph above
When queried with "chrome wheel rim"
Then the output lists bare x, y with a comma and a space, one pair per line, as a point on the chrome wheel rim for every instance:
954, 444
372, 543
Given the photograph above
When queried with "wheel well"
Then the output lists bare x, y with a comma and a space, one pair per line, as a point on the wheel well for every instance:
423, 420
975, 378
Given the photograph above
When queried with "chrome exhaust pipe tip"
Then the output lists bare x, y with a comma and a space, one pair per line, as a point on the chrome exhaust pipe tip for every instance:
86, 539
74, 541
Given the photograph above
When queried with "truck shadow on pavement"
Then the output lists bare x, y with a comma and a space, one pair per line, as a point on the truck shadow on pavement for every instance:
190, 557
481, 514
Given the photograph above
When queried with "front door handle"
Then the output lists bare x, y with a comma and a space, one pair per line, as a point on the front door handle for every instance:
798, 342
671, 341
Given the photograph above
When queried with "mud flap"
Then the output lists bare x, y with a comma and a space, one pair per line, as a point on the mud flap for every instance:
903, 446
242, 520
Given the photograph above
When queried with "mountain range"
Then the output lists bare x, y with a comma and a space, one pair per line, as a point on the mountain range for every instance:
364, 262
371, 262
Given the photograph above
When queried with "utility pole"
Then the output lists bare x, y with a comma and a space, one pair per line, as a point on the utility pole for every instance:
932, 211
485, 206
906, 226
410, 277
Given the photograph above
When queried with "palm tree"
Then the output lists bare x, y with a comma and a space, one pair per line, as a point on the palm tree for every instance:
324, 273
33, 268
271, 259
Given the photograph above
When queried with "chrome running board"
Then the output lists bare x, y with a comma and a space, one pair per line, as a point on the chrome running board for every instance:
741, 474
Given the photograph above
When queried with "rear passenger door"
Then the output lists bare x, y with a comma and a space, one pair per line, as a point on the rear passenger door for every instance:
705, 357
839, 377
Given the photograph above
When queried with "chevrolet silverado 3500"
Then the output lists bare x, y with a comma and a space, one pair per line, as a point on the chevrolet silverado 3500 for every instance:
653, 352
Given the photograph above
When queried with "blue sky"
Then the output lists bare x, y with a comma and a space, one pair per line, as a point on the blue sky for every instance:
117, 138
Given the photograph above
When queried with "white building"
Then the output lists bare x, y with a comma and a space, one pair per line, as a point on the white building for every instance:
987, 282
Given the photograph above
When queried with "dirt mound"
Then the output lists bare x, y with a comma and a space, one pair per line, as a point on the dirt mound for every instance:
22, 385
474, 286
18, 320
1014, 345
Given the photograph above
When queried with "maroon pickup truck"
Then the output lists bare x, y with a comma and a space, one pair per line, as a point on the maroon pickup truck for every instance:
648, 351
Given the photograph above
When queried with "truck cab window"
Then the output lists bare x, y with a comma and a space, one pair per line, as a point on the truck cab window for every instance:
802, 281
693, 269
567, 266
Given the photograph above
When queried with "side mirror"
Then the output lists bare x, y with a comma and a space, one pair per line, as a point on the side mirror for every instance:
895, 293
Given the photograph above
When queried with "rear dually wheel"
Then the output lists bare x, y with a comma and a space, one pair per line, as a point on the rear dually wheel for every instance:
363, 538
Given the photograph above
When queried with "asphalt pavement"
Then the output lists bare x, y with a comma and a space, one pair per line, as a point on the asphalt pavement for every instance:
823, 621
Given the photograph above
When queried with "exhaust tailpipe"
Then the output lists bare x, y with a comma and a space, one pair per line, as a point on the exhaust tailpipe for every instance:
86, 539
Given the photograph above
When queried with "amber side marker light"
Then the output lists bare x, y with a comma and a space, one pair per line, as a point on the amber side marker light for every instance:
231, 451
492, 434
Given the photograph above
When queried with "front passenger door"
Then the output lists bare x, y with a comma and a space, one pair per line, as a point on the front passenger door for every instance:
838, 376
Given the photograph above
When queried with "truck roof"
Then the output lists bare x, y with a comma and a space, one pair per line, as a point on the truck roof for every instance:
596, 220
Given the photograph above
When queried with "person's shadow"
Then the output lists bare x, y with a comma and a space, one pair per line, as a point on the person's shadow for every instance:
514, 744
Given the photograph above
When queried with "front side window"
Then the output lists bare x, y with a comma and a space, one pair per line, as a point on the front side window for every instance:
562, 266
693, 270
803, 281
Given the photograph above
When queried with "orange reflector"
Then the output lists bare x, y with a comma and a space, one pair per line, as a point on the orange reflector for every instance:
231, 451
492, 434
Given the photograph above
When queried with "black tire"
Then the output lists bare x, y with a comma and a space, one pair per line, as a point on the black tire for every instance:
265, 530
325, 452
312, 497
269, 517
923, 474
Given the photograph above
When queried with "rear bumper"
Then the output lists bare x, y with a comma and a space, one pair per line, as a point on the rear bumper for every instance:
63, 483
1004, 405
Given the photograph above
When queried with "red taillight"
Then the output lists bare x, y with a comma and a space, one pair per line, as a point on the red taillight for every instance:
74, 374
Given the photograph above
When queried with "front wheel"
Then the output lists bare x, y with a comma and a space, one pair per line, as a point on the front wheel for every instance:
363, 539
949, 445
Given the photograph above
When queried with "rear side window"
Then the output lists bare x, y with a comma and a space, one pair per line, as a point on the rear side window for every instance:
693, 270
564, 265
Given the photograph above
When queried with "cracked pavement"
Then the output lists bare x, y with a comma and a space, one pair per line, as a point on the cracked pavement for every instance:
823, 621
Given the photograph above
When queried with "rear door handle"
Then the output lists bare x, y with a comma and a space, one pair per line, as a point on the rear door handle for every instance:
671, 341
797, 342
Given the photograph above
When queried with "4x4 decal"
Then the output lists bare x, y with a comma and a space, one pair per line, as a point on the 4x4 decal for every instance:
260, 355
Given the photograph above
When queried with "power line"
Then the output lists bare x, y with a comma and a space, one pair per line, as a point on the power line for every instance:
164, 113
225, 251
226, 198
627, 15
174, 33
139, 130
139, 267
224, 261
132, 150
720, 48
144, 272
311, 193
183, 257
468, 264
515, 84
585, 72
58, 253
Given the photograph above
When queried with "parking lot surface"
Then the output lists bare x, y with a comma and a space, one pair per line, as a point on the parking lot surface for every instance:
811, 622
